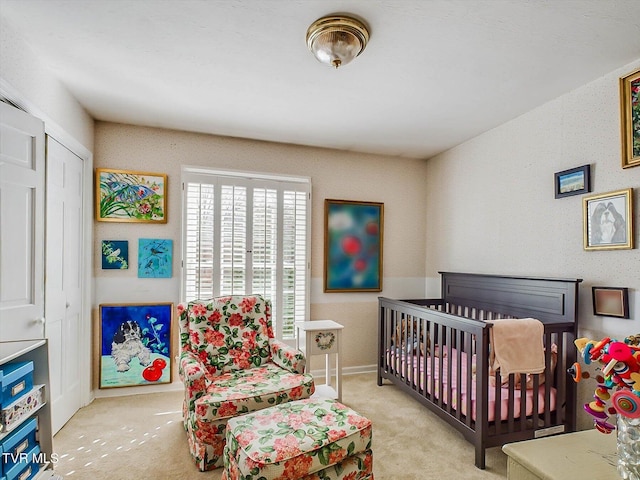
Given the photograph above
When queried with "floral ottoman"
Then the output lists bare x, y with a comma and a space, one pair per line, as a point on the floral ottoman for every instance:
312, 439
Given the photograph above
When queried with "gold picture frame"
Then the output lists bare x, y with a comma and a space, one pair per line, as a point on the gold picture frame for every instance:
608, 220
630, 119
130, 196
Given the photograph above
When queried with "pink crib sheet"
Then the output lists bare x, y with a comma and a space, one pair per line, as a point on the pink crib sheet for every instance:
397, 362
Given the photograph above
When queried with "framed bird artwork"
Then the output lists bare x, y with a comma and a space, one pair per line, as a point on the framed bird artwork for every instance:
155, 256
127, 196
115, 254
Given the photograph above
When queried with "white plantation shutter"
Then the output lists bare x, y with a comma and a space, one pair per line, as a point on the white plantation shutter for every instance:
248, 234
233, 241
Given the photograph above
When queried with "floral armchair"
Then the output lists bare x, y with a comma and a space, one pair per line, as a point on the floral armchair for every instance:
230, 365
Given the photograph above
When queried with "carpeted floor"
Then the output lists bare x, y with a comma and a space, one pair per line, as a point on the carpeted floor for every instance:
141, 437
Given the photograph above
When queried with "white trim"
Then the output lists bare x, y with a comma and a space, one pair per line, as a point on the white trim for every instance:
177, 385
51, 128
317, 374
277, 177
174, 386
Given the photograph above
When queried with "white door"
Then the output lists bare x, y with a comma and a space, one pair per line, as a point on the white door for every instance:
63, 291
21, 225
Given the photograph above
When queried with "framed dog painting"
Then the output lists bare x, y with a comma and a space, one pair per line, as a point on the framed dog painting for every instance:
135, 344
608, 220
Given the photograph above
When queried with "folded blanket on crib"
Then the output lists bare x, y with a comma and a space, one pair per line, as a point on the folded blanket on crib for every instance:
517, 346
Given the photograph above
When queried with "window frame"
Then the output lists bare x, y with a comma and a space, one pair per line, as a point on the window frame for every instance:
250, 180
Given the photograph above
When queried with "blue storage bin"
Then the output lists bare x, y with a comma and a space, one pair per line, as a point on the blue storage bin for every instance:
16, 380
25, 470
21, 440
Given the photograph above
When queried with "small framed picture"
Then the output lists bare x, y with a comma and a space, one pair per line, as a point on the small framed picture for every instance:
115, 254
574, 181
608, 220
611, 301
155, 257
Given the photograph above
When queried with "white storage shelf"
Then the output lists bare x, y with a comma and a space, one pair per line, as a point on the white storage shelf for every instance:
35, 351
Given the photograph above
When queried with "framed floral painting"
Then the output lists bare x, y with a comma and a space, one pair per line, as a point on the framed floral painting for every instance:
630, 119
353, 246
128, 196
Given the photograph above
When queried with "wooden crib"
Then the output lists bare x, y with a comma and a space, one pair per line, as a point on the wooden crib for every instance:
437, 350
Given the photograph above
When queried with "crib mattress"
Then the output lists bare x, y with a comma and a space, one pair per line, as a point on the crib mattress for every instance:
411, 366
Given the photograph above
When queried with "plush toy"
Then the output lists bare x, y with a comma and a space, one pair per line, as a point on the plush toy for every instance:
619, 382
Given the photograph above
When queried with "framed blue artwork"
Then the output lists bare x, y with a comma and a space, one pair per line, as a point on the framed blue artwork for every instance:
115, 254
353, 246
155, 257
135, 344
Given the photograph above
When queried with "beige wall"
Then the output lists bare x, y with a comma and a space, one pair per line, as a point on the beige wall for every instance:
491, 205
398, 183
24, 74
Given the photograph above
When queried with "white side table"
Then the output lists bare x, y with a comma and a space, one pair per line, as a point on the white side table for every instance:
323, 337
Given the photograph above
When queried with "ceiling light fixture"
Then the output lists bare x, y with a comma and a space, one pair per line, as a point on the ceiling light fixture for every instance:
336, 40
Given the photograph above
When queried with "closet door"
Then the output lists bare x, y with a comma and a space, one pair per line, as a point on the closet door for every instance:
21, 225
64, 262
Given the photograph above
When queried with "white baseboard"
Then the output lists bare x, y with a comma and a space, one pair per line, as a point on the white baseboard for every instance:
123, 391
178, 385
347, 370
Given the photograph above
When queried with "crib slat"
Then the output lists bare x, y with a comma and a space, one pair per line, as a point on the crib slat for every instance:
536, 398
459, 359
469, 348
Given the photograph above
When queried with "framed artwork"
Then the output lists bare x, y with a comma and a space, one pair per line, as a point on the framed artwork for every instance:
135, 344
608, 220
630, 119
353, 246
155, 257
611, 301
126, 196
115, 254
574, 181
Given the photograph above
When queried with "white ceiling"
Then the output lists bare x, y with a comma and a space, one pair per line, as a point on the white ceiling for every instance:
435, 72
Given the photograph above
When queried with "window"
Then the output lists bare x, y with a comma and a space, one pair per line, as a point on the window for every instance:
248, 233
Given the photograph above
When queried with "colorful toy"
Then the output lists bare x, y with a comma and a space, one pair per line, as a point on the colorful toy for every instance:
619, 363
